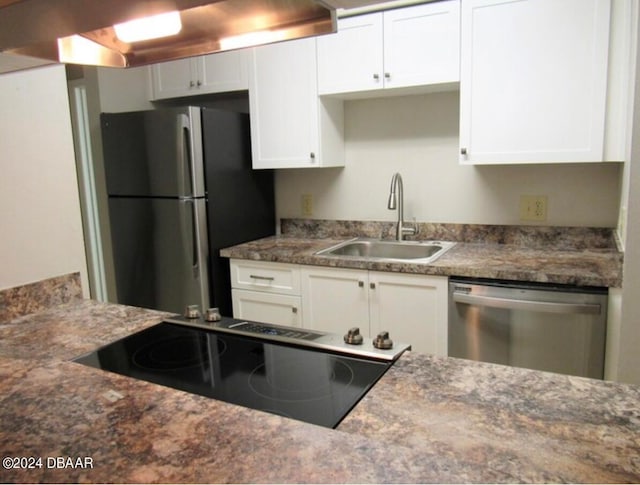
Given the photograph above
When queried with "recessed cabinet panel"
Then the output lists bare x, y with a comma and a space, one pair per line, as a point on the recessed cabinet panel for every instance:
267, 307
335, 300
533, 80
412, 308
264, 276
172, 79
351, 59
291, 127
412, 47
422, 45
214, 73
284, 105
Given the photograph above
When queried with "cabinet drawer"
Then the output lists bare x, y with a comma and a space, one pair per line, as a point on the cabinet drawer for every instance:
268, 277
264, 307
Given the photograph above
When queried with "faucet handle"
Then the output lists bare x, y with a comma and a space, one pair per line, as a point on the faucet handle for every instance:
413, 231
416, 227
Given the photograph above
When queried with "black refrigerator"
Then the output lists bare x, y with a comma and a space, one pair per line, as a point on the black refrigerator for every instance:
181, 187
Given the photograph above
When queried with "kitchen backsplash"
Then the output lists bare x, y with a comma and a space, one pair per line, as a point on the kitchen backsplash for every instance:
535, 237
35, 297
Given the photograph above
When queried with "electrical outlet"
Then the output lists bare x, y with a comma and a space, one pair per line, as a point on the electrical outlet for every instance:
307, 205
533, 207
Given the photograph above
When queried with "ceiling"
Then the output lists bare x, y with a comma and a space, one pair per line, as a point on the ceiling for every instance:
29, 28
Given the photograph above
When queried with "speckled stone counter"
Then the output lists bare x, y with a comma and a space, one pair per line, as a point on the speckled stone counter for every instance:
572, 256
427, 420
38, 296
533, 426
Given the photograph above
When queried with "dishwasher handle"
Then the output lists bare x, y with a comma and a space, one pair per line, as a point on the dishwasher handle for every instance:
527, 305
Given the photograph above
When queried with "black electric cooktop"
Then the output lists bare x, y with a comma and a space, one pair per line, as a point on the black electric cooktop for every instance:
308, 384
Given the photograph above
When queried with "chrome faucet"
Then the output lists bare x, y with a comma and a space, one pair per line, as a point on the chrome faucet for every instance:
398, 202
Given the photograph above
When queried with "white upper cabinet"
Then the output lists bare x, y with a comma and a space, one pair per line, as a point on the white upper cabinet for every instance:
533, 84
401, 48
213, 73
291, 127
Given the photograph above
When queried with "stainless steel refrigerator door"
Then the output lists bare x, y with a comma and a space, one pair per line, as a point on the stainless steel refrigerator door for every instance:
160, 251
155, 153
552, 331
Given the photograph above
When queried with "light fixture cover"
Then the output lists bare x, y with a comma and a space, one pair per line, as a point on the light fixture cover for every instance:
147, 28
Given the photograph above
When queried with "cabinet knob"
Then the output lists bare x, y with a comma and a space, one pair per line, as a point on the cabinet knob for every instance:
294, 309
376, 77
387, 75
312, 156
191, 84
372, 286
463, 151
361, 284
199, 83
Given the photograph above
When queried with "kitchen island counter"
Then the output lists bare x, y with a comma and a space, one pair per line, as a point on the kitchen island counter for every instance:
427, 420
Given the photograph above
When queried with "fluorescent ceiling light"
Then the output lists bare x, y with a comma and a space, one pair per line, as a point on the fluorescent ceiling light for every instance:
153, 27
251, 38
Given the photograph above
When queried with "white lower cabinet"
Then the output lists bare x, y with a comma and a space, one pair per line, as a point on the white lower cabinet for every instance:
412, 308
266, 292
335, 299
259, 306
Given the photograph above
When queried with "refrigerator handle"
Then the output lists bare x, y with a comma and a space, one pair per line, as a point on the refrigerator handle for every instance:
195, 260
185, 155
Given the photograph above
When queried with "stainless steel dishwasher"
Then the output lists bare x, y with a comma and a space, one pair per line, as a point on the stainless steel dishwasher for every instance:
545, 327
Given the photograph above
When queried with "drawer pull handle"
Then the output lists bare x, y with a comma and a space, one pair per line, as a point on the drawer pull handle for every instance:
258, 277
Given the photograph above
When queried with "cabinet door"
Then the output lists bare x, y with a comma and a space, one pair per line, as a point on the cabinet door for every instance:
334, 300
283, 103
412, 308
173, 79
533, 80
351, 59
267, 307
422, 45
223, 72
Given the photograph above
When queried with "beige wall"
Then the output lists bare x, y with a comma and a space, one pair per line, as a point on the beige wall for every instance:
39, 207
418, 136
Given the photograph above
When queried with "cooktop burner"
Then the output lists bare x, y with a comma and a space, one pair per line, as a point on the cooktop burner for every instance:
305, 383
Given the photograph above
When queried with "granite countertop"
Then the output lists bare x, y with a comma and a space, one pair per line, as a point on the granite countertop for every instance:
497, 261
559, 255
428, 419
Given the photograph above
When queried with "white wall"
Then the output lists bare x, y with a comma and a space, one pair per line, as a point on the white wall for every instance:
418, 136
625, 343
122, 89
39, 208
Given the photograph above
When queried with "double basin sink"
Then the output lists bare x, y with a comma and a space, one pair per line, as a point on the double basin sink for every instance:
392, 251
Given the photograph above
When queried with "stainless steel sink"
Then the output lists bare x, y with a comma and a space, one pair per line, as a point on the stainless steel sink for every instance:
380, 250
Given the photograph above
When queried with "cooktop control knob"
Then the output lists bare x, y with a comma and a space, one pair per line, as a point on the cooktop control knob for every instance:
212, 315
192, 311
353, 336
382, 341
